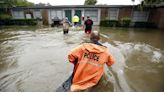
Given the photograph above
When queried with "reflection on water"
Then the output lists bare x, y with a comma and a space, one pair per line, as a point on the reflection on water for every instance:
140, 58
151, 37
35, 59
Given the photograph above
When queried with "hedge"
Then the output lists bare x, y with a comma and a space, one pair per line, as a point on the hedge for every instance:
145, 24
126, 23
18, 22
109, 23
5, 16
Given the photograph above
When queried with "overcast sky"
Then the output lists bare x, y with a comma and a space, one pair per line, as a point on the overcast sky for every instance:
81, 2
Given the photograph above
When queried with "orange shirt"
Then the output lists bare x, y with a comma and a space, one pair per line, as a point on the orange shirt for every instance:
89, 60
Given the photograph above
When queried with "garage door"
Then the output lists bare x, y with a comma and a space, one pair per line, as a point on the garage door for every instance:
140, 16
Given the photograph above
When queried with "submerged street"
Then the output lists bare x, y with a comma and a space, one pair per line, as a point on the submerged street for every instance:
35, 59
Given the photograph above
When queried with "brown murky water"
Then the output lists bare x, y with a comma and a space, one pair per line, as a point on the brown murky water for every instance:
35, 59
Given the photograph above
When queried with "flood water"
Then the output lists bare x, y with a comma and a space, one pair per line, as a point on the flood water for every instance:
34, 59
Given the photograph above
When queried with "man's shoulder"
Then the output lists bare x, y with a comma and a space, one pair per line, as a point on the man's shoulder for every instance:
91, 44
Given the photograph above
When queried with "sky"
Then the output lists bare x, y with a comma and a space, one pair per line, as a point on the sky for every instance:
81, 2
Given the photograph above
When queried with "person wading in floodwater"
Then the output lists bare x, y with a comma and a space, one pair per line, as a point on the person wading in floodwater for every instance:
66, 25
75, 20
88, 25
89, 60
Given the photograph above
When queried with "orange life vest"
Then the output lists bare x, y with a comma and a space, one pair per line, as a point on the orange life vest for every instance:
89, 60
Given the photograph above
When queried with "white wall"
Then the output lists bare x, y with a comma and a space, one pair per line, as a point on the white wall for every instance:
28, 16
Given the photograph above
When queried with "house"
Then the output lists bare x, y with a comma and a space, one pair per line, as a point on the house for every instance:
96, 12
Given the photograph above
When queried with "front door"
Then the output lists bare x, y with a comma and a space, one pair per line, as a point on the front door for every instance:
78, 13
68, 14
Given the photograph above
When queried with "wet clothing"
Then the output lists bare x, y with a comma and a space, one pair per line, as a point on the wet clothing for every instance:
65, 31
75, 20
87, 31
65, 87
88, 60
75, 23
66, 25
88, 25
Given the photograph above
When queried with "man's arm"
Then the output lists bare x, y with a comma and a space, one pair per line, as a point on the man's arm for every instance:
84, 25
92, 22
85, 22
75, 54
111, 60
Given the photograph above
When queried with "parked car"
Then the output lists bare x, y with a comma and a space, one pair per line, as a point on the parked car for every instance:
56, 22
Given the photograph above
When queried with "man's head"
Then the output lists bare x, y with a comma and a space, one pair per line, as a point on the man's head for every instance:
66, 18
88, 17
95, 36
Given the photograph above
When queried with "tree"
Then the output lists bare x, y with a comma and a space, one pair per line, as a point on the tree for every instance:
12, 3
90, 2
6, 4
43, 4
150, 2
23, 3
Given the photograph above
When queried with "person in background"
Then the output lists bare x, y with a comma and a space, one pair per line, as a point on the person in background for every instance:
75, 20
89, 60
88, 25
66, 24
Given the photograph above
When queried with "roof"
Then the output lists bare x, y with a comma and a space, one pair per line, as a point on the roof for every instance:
75, 6
84, 6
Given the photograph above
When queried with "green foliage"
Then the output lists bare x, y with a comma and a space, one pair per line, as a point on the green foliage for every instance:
18, 22
6, 3
90, 2
13, 3
109, 23
5, 16
125, 22
23, 3
149, 2
152, 1
145, 25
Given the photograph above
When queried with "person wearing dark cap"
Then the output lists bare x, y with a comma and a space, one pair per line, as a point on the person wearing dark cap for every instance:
88, 25
89, 60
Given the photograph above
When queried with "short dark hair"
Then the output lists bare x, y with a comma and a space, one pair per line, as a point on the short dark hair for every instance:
95, 36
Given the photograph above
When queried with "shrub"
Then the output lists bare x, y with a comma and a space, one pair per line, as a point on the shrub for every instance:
18, 21
5, 16
109, 23
125, 22
145, 24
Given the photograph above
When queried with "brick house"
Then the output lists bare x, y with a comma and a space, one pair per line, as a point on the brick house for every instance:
97, 13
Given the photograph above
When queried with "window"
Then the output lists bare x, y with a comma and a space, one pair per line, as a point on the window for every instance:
113, 13
56, 13
37, 14
93, 14
140, 16
18, 14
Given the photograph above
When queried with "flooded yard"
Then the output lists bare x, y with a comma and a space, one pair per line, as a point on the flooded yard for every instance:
35, 59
